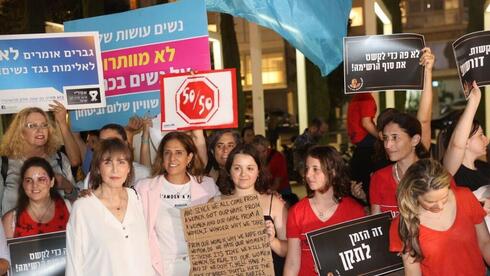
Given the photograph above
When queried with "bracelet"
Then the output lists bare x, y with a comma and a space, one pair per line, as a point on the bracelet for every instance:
145, 141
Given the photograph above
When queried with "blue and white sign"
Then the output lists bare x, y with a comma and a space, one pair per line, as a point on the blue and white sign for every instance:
36, 69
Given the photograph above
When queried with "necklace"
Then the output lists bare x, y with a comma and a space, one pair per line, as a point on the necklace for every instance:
40, 218
323, 214
178, 191
397, 176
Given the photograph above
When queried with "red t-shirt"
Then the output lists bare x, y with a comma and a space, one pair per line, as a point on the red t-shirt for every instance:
360, 106
302, 219
382, 190
26, 226
278, 168
454, 251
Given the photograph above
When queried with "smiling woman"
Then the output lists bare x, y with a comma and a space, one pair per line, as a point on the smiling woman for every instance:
246, 176
177, 182
106, 234
40, 209
30, 134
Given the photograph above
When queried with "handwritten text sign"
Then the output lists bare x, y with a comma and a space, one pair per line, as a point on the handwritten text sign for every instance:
228, 237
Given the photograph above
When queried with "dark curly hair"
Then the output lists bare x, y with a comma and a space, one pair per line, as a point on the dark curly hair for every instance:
262, 184
334, 168
195, 167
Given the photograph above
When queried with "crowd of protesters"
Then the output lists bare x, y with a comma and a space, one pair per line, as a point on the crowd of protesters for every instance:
122, 216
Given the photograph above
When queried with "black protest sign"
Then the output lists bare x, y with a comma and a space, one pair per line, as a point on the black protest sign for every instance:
383, 62
38, 255
357, 247
471, 53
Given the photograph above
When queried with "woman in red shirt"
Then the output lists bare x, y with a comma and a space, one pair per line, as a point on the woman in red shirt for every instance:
440, 230
326, 204
40, 208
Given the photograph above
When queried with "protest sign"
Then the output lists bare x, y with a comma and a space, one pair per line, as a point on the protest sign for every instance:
228, 237
38, 255
471, 53
207, 99
357, 247
138, 46
36, 69
383, 62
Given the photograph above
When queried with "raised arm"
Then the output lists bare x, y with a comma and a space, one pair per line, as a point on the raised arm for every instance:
200, 142
145, 156
424, 114
454, 155
71, 146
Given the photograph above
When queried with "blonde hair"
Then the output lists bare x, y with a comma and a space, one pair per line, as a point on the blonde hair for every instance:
423, 176
13, 144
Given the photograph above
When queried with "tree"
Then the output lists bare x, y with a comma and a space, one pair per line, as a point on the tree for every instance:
231, 58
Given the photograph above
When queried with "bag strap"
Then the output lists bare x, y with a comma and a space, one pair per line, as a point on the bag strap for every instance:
4, 169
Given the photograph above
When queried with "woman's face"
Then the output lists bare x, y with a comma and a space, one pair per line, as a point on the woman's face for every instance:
36, 184
226, 143
248, 136
114, 169
477, 143
434, 200
314, 175
35, 130
398, 144
244, 171
175, 157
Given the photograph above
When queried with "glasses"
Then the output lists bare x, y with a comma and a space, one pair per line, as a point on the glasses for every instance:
36, 125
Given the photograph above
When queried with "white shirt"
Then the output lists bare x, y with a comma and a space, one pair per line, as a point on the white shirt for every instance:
98, 244
168, 227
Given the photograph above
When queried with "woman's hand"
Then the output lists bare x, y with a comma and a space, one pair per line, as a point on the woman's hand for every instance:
357, 191
427, 60
270, 229
486, 205
59, 112
63, 184
86, 192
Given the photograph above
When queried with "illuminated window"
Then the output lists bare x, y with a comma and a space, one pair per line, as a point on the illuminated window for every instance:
273, 71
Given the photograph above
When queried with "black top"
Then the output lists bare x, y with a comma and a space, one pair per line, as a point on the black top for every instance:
473, 179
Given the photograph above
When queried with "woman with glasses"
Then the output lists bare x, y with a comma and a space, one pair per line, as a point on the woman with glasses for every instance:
40, 208
32, 134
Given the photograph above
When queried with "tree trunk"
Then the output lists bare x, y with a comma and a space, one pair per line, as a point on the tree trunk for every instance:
231, 59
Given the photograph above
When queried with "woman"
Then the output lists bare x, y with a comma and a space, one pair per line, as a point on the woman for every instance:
467, 143
221, 144
325, 205
32, 134
406, 139
106, 233
402, 142
40, 208
440, 230
247, 177
177, 182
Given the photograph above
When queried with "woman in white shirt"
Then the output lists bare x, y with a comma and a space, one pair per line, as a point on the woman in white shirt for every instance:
177, 182
106, 233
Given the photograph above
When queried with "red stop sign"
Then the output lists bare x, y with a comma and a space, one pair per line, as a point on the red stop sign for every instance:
197, 100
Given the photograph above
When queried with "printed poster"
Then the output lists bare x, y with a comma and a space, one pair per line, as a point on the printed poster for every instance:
357, 247
36, 69
471, 55
383, 62
41, 255
201, 100
137, 47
